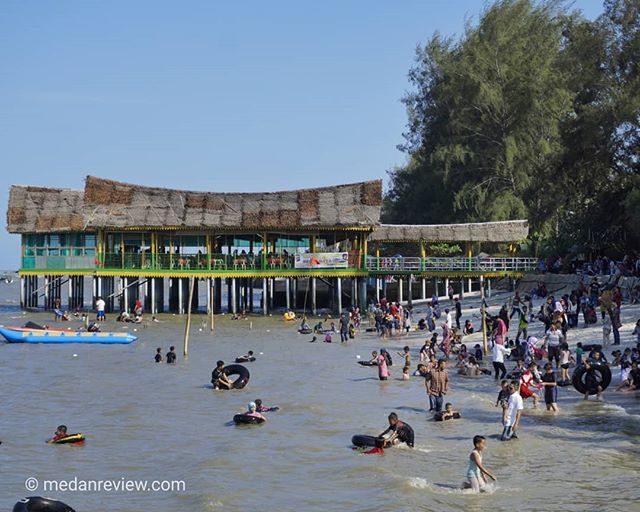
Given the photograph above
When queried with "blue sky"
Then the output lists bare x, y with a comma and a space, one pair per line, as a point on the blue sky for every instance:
205, 95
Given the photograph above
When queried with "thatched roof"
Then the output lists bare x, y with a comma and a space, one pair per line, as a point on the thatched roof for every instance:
506, 231
44, 210
115, 205
111, 204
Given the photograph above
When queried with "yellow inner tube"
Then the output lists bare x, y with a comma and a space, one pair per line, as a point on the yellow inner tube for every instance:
288, 316
72, 438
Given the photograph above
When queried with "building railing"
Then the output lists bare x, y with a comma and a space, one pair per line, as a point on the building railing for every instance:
259, 262
456, 264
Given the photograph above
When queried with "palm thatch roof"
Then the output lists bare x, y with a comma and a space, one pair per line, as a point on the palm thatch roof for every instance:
504, 231
111, 204
44, 210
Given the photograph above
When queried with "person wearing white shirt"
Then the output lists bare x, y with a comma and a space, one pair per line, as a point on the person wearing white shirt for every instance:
100, 305
514, 412
499, 351
448, 320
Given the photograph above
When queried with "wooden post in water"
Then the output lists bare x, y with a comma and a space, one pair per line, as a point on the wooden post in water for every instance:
483, 317
188, 324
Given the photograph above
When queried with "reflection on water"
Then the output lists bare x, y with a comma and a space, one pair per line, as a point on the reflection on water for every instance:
156, 422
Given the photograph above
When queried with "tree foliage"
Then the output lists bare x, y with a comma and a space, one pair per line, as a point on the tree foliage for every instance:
533, 113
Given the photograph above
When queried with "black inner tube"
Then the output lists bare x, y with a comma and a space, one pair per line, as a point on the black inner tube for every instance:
587, 380
363, 441
244, 419
39, 504
241, 372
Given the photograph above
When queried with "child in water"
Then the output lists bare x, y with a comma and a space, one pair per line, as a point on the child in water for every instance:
503, 399
171, 355
327, 337
449, 413
253, 412
61, 432
406, 353
476, 472
550, 388
263, 408
158, 357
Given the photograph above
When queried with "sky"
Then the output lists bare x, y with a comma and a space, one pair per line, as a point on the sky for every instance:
213, 96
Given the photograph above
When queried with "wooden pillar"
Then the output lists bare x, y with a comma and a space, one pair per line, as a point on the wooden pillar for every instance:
125, 292
339, 293
234, 300
271, 290
362, 295
489, 288
469, 285
400, 289
70, 290
153, 296
180, 296
294, 300
47, 301
209, 296
410, 289
264, 296
314, 307
354, 294
251, 294
435, 286
22, 292
287, 284
461, 288
377, 289
424, 289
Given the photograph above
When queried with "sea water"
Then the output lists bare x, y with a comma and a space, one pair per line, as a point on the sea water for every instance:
154, 422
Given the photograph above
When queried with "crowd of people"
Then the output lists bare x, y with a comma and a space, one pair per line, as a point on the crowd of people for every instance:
529, 368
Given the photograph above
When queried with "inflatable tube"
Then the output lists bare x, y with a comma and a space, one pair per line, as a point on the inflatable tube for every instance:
288, 316
39, 504
70, 439
363, 441
245, 419
439, 416
305, 331
245, 359
242, 373
592, 346
367, 363
587, 381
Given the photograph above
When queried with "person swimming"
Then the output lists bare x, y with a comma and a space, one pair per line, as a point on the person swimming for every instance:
61, 432
262, 408
252, 410
158, 357
246, 358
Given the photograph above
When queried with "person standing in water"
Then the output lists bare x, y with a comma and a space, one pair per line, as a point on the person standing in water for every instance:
383, 369
438, 386
476, 472
171, 355
514, 411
